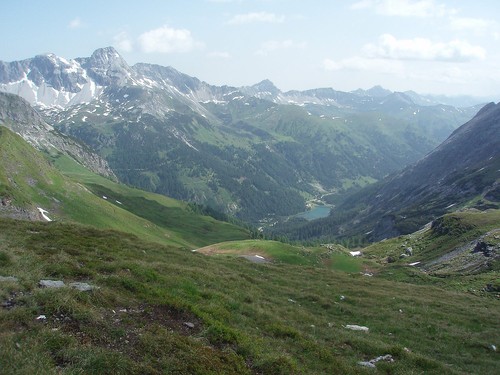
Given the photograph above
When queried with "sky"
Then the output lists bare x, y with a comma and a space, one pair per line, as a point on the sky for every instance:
429, 46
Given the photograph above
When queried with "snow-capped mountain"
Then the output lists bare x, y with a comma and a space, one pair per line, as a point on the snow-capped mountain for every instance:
252, 151
50, 81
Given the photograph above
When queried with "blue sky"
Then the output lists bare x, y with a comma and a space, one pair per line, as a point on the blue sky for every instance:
430, 46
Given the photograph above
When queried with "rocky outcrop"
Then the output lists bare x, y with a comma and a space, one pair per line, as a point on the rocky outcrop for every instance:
20, 117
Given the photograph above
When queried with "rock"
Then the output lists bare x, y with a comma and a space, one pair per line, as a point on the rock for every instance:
82, 287
493, 347
409, 251
189, 325
390, 260
486, 249
41, 317
367, 364
402, 256
371, 362
51, 283
9, 278
355, 327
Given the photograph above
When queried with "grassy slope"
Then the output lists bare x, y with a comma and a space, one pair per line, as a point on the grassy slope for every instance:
278, 252
30, 181
455, 230
249, 318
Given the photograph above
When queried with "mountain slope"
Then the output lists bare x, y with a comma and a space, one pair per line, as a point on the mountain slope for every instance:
20, 117
158, 309
463, 170
28, 183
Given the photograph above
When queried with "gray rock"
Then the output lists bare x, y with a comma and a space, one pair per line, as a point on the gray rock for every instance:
9, 278
355, 327
189, 324
371, 362
367, 364
82, 287
51, 283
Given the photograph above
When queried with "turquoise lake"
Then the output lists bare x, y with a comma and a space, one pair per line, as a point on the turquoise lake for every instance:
316, 213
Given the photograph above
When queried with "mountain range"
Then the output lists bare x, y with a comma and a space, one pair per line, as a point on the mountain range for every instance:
463, 172
255, 152
97, 276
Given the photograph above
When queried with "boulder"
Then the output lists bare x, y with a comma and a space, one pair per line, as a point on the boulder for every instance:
51, 283
82, 287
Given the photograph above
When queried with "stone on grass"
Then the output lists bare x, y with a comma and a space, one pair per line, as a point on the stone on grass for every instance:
189, 324
82, 287
366, 364
355, 327
51, 283
371, 362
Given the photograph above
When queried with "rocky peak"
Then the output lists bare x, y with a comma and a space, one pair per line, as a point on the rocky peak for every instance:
267, 86
107, 67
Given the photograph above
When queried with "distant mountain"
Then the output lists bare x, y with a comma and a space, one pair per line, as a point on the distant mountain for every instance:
461, 101
255, 152
464, 167
464, 171
19, 116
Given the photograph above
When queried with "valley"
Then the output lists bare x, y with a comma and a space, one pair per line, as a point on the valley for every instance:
152, 223
251, 152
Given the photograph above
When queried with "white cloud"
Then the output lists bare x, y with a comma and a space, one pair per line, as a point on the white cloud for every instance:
358, 63
219, 55
389, 47
476, 25
122, 42
75, 23
404, 8
241, 19
274, 45
167, 40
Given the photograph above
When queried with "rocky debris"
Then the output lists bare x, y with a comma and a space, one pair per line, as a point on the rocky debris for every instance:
484, 248
409, 251
493, 347
189, 324
473, 257
355, 327
82, 287
41, 317
9, 278
51, 283
371, 363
